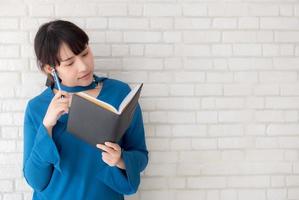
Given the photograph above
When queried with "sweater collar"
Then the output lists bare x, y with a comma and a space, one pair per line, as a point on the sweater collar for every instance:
63, 118
74, 89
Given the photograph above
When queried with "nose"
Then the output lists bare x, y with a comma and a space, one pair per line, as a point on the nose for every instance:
81, 65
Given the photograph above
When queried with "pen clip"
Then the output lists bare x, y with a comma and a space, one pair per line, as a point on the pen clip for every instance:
54, 74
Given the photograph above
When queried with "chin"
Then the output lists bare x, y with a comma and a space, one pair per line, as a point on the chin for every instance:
86, 82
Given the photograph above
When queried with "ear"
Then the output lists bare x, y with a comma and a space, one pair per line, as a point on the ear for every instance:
48, 69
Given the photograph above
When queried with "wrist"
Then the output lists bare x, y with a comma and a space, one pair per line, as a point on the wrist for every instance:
49, 128
121, 164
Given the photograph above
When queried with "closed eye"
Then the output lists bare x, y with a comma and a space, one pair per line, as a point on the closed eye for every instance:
70, 64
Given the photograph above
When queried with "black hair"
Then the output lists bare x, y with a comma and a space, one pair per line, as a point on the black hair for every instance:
50, 37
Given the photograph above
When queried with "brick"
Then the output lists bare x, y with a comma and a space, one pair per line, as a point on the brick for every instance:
193, 50
249, 194
12, 10
46, 10
180, 144
224, 23
158, 50
191, 23
209, 90
161, 170
239, 36
281, 102
9, 23
128, 23
194, 9
228, 9
120, 50
162, 10
6, 186
235, 143
177, 103
247, 50
225, 130
8, 37
248, 181
286, 36
172, 37
263, 10
222, 50
207, 117
282, 23
217, 77
163, 157
204, 143
142, 63
96, 23
248, 23
189, 130
160, 23
181, 90
201, 36
207, 182
228, 194
113, 9
135, 9
190, 194
189, 77
142, 37
73, 10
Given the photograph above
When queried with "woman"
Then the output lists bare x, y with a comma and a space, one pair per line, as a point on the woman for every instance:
56, 164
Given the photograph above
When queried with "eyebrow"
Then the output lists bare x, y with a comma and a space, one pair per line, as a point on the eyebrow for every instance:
67, 59
73, 56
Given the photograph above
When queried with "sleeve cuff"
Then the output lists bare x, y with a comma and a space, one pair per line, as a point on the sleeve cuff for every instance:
123, 181
45, 148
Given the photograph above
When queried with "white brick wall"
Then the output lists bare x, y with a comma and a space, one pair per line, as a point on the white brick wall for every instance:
221, 93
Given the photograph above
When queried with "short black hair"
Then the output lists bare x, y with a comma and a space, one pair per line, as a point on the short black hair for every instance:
50, 37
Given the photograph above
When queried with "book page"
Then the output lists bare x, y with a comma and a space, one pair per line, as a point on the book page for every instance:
98, 102
128, 98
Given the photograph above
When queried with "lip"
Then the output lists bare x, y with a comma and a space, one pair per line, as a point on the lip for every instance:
85, 76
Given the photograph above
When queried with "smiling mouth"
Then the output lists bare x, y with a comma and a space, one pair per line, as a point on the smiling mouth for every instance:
84, 76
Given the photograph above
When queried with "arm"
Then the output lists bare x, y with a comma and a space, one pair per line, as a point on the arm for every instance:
134, 157
40, 156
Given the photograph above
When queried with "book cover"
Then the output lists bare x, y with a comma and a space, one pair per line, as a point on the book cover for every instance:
96, 121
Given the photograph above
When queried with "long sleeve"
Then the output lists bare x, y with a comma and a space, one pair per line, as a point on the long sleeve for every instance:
135, 156
40, 156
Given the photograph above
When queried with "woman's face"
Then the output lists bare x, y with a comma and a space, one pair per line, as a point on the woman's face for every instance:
75, 70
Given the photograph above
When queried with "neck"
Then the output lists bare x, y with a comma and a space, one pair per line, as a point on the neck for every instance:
73, 89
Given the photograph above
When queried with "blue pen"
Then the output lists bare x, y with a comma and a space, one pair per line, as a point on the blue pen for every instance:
54, 74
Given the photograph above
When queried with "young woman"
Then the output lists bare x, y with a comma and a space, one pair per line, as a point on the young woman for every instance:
56, 164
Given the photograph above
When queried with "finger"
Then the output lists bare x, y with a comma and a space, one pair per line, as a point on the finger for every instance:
63, 101
106, 156
108, 162
105, 148
60, 93
63, 104
62, 109
113, 145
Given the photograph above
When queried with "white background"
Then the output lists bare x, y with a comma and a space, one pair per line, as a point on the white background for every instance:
220, 100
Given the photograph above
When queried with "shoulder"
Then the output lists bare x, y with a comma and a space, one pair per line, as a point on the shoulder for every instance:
117, 86
115, 91
39, 104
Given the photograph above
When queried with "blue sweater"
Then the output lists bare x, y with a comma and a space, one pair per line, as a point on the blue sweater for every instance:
65, 167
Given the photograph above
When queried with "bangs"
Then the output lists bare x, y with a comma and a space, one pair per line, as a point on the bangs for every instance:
52, 35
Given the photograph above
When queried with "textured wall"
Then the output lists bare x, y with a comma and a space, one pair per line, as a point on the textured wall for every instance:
220, 100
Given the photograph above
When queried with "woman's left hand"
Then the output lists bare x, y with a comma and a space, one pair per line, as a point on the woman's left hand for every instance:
112, 154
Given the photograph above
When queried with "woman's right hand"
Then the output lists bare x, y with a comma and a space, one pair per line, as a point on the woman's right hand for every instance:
57, 107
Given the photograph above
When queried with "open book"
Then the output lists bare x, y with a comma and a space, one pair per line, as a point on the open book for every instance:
96, 121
